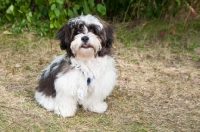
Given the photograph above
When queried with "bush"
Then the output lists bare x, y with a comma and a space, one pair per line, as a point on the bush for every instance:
45, 16
125, 10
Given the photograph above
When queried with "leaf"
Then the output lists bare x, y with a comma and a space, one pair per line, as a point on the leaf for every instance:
179, 2
70, 13
77, 7
51, 14
28, 68
29, 16
16, 29
65, 12
51, 1
195, 58
40, 7
53, 6
17, 65
8, 17
57, 12
59, 2
56, 24
7, 32
91, 3
23, 22
23, 9
51, 25
101, 9
10, 10
75, 11
86, 9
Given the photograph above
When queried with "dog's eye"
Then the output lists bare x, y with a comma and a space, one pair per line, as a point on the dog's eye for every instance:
92, 31
77, 32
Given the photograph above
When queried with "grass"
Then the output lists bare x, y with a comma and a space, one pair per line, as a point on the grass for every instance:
157, 88
176, 35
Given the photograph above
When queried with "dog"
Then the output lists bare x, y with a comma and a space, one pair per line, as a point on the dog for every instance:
86, 74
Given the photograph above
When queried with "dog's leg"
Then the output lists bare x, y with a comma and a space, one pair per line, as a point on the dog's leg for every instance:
66, 101
95, 104
102, 87
98, 107
65, 106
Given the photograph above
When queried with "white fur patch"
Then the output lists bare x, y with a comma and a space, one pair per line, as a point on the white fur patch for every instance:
88, 19
93, 40
45, 101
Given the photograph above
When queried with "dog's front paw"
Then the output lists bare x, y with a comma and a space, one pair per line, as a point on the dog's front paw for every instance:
65, 111
98, 108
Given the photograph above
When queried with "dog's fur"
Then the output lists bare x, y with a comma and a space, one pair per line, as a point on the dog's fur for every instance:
86, 75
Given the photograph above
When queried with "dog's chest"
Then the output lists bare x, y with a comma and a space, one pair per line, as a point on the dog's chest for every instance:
90, 69
90, 73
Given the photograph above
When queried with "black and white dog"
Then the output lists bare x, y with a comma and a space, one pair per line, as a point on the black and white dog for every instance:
86, 75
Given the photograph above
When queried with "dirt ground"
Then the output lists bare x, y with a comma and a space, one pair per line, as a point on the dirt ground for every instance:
157, 90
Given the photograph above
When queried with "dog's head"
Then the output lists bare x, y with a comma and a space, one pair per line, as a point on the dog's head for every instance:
86, 37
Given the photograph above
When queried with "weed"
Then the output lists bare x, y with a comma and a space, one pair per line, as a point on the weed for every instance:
191, 47
28, 68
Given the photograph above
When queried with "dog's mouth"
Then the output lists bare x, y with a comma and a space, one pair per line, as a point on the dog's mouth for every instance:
86, 46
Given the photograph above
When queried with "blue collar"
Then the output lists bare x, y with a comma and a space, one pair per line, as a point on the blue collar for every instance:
88, 81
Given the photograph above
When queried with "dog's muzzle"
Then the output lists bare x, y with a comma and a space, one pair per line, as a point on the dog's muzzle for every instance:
85, 39
85, 43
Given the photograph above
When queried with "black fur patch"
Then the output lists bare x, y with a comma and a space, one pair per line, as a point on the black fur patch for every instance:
107, 39
46, 82
65, 37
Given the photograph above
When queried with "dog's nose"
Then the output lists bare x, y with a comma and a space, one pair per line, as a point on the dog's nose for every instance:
85, 38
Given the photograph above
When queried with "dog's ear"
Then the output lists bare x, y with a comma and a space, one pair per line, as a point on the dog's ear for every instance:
61, 35
109, 35
64, 35
107, 39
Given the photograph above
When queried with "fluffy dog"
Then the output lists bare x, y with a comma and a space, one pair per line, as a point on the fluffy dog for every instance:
86, 75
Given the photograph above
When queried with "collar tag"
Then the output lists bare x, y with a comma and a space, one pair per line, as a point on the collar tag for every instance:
80, 93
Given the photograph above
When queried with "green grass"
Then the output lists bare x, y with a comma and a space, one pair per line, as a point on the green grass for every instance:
175, 35
157, 87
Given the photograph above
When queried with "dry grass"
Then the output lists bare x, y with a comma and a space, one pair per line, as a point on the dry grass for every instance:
157, 90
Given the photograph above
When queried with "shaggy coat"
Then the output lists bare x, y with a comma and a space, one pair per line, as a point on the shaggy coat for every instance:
86, 75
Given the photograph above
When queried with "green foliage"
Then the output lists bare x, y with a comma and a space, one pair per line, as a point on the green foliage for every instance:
125, 10
44, 16
177, 36
191, 47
